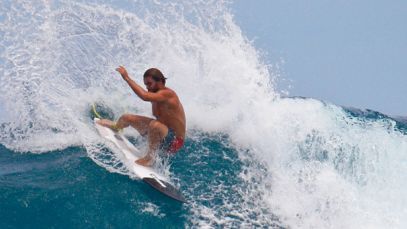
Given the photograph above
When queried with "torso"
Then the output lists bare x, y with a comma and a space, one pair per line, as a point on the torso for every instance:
171, 113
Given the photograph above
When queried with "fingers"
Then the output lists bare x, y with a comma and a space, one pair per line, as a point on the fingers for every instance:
120, 68
122, 71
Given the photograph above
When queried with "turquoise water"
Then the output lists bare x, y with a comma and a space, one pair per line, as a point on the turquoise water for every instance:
67, 189
252, 158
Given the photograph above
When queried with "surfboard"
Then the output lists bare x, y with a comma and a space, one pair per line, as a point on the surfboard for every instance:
146, 174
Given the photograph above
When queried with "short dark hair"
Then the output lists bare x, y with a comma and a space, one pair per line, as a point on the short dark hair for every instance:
156, 74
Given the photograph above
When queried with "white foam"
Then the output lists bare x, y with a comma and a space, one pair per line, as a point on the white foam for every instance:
153, 210
330, 170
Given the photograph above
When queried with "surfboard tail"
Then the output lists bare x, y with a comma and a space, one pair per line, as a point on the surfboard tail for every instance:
165, 188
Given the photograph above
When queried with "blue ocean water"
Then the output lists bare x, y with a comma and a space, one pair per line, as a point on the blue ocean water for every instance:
252, 157
67, 189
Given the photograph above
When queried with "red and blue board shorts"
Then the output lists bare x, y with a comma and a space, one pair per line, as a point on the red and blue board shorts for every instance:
171, 143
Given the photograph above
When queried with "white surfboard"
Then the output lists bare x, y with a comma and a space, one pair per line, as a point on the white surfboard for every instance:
130, 152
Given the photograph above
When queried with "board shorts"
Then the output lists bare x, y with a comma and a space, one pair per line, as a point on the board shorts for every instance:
171, 143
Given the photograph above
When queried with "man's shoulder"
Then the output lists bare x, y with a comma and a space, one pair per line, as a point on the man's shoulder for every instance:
168, 91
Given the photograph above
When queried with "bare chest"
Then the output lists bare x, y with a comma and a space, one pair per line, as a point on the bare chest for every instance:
160, 110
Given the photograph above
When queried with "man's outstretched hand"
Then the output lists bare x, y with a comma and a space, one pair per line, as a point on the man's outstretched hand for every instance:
122, 72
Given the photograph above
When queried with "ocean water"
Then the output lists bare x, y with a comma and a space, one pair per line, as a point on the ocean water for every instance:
252, 157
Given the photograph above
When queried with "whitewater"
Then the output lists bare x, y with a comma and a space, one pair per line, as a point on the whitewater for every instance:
252, 158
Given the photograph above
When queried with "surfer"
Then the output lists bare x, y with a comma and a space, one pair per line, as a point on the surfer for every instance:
167, 130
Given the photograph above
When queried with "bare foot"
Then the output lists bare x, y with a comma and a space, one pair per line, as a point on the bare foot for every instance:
145, 161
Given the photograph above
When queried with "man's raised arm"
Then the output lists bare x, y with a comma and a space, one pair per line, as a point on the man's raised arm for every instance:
159, 96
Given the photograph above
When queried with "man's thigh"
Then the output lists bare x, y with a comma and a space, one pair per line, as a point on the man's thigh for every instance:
138, 122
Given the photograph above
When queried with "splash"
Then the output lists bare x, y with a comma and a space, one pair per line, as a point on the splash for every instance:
331, 168
60, 56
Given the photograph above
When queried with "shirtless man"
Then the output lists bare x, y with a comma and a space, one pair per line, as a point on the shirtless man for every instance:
168, 129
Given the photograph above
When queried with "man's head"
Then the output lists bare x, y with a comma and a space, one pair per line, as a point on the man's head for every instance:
154, 79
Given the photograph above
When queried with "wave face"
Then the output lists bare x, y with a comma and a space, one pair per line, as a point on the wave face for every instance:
251, 159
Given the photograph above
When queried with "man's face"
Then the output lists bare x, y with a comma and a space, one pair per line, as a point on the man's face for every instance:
151, 85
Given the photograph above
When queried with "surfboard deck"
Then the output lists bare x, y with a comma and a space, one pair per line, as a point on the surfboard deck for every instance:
147, 174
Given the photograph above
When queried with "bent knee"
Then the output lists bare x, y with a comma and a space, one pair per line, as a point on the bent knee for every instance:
157, 126
153, 125
126, 117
